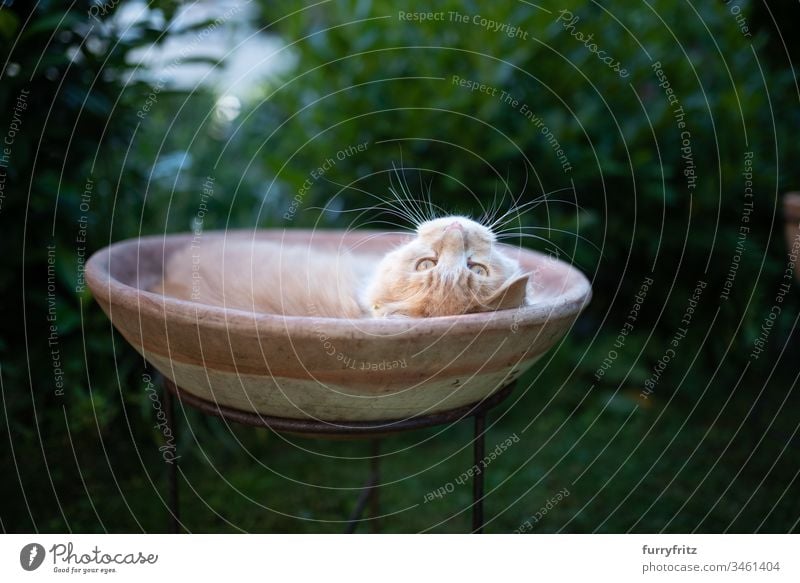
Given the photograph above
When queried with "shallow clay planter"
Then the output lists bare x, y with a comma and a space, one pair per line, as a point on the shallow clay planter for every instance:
791, 213
323, 368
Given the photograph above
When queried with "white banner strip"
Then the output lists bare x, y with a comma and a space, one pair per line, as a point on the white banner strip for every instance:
401, 558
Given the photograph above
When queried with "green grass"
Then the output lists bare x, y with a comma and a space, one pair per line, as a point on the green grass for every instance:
627, 464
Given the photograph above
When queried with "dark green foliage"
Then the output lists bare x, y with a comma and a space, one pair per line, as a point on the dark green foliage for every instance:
621, 137
61, 365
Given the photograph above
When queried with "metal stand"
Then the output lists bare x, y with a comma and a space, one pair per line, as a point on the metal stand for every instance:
374, 430
369, 493
172, 477
478, 449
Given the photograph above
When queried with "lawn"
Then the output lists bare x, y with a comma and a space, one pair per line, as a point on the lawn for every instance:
705, 461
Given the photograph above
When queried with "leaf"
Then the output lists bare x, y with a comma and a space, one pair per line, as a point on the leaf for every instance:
9, 23
52, 22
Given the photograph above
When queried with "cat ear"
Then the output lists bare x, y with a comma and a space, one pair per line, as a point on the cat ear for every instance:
511, 294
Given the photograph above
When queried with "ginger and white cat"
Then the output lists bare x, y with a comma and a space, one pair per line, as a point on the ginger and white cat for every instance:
452, 266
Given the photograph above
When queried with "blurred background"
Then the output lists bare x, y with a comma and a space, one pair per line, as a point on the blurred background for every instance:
658, 137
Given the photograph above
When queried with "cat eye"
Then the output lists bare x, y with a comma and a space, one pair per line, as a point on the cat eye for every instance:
478, 269
425, 264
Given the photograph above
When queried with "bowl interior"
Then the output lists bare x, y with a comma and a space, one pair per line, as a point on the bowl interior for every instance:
138, 264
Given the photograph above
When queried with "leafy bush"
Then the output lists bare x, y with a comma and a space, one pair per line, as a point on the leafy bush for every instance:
67, 97
643, 195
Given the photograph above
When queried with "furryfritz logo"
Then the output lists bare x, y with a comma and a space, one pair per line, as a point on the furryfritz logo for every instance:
31, 556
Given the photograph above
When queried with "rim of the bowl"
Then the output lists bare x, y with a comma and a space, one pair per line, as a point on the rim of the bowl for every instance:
791, 206
101, 283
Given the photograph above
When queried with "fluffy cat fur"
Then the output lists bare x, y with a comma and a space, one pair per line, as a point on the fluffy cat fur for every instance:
452, 266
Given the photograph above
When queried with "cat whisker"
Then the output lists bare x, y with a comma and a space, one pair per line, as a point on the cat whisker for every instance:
492, 210
515, 212
405, 188
404, 207
421, 219
374, 222
398, 209
489, 213
426, 194
511, 231
399, 199
424, 203
406, 200
560, 251
411, 208
499, 227
431, 206
514, 199
366, 209
516, 206
509, 218
549, 241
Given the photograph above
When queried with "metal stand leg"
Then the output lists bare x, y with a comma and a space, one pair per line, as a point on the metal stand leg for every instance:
375, 470
173, 525
477, 483
369, 492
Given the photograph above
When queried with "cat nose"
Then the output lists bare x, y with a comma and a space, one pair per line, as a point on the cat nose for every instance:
455, 225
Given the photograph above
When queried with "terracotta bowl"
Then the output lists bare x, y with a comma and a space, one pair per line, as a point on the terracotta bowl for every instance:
323, 368
791, 213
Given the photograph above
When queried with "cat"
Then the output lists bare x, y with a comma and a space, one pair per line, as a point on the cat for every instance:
451, 266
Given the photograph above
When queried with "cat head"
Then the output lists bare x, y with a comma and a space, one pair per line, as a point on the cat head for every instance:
452, 266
